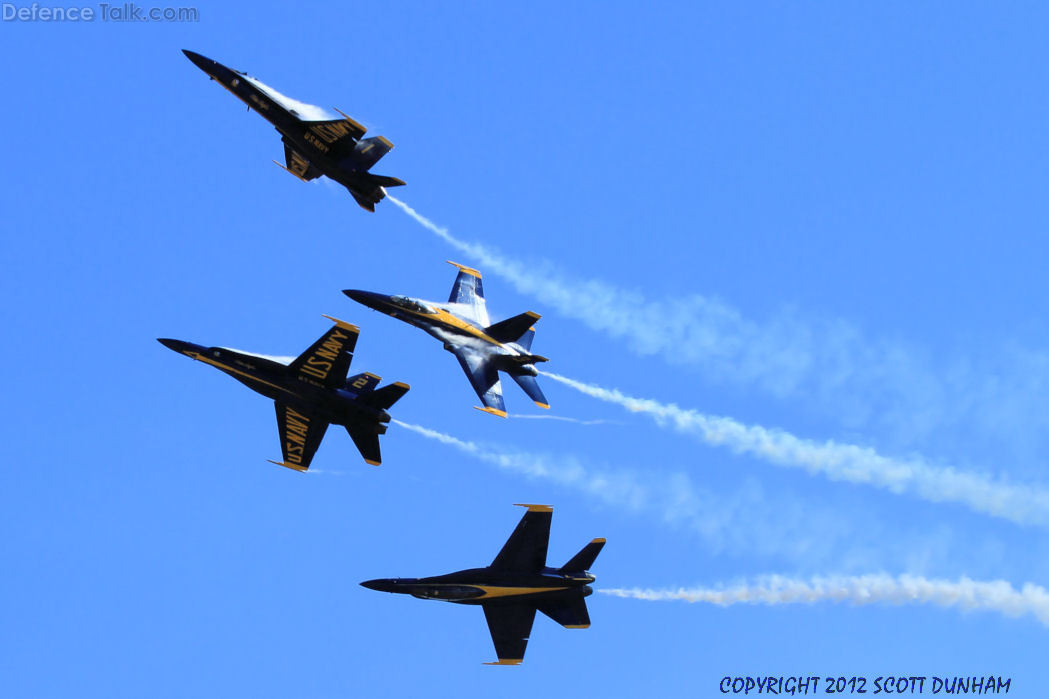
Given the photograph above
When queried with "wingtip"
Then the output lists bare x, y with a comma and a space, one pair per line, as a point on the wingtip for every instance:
464, 268
342, 323
491, 411
293, 467
350, 119
534, 508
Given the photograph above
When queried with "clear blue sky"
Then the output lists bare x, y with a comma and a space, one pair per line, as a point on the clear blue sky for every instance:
852, 194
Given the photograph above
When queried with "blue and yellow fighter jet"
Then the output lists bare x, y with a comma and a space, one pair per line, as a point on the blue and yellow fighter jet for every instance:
462, 325
516, 585
315, 143
310, 392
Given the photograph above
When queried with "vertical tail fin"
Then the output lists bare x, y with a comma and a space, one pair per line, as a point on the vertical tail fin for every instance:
526, 339
585, 558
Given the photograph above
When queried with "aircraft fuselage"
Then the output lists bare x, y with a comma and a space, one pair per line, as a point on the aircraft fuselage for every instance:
276, 381
441, 322
487, 586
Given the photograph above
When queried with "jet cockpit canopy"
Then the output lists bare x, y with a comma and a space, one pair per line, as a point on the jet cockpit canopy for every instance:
412, 305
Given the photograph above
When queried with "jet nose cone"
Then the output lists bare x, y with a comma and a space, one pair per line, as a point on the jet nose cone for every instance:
380, 585
177, 345
199, 61
367, 298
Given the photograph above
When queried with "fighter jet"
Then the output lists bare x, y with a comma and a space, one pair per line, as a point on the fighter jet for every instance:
315, 143
516, 584
462, 325
310, 392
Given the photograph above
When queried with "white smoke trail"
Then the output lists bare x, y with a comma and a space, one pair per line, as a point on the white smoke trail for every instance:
563, 418
491, 260
855, 378
844, 462
1021, 504
619, 489
740, 521
965, 594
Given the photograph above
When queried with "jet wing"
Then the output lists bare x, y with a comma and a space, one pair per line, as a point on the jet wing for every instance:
337, 137
298, 165
328, 359
300, 434
510, 626
525, 550
484, 378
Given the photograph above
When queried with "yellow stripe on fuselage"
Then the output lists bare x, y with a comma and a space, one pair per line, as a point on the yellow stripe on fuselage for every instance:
494, 591
225, 367
448, 320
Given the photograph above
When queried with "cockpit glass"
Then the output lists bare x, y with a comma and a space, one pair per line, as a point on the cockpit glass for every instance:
411, 304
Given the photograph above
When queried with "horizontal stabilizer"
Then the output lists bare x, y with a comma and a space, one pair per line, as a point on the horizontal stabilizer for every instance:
524, 359
366, 438
368, 189
364, 202
511, 329
530, 386
382, 180
569, 614
585, 558
386, 396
